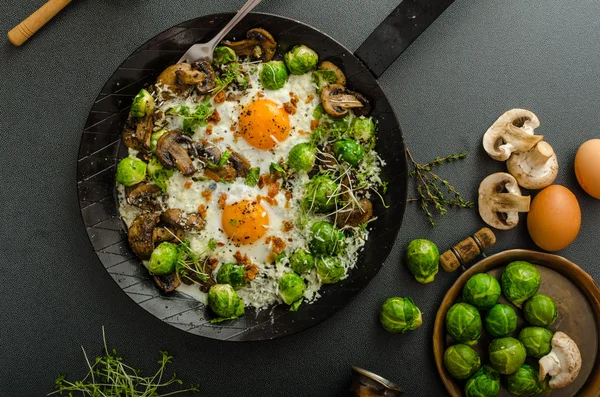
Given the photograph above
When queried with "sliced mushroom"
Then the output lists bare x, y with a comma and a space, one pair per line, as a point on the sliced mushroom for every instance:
144, 195
536, 168
137, 132
178, 219
168, 282
341, 78
207, 152
355, 214
338, 100
172, 150
181, 77
240, 164
172, 235
365, 109
563, 363
325, 159
140, 234
500, 201
512, 132
259, 44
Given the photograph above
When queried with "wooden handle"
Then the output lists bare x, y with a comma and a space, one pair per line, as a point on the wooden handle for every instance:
23, 31
467, 250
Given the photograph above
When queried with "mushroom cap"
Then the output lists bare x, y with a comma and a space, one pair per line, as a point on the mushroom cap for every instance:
337, 100
500, 201
563, 363
140, 234
258, 43
171, 152
512, 132
535, 169
143, 195
181, 77
340, 77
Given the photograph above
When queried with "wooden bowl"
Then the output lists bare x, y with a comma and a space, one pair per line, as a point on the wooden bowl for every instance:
578, 300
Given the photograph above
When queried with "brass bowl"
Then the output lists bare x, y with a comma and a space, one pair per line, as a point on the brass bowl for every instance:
578, 300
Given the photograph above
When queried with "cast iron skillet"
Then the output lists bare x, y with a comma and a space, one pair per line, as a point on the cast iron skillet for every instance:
101, 149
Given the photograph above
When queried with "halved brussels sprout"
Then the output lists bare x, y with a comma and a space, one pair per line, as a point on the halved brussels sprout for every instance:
461, 361
142, 103
540, 310
524, 382
520, 281
163, 259
301, 261
330, 269
326, 239
482, 291
273, 75
223, 55
537, 341
291, 287
302, 157
506, 355
160, 176
463, 323
301, 59
131, 171
485, 383
349, 151
363, 130
501, 320
225, 302
154, 139
232, 274
422, 259
321, 194
323, 77
399, 315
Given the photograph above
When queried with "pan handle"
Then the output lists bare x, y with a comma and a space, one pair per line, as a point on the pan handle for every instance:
397, 32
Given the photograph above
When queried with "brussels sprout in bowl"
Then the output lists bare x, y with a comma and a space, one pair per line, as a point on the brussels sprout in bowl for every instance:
540, 310
482, 291
520, 281
500, 320
461, 361
506, 355
463, 323
524, 382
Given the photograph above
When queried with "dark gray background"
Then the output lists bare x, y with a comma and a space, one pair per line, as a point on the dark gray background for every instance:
476, 61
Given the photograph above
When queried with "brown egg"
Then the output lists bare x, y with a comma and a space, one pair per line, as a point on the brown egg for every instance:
554, 218
587, 167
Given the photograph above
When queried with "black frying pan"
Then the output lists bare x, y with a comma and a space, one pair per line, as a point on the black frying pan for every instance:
101, 149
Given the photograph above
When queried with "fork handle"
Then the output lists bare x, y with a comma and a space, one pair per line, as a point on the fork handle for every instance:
246, 8
23, 31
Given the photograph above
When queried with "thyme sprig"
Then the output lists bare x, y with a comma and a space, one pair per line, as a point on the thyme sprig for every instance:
435, 193
109, 376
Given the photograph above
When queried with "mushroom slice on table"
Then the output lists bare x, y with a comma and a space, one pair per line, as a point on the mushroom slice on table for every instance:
536, 168
258, 43
143, 195
563, 363
140, 234
512, 132
338, 100
172, 151
178, 79
355, 214
500, 201
340, 77
178, 219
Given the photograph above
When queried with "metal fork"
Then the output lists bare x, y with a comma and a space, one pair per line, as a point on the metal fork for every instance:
205, 50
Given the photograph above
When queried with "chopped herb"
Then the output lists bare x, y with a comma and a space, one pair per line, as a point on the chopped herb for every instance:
193, 119
252, 176
231, 74
276, 170
160, 176
224, 158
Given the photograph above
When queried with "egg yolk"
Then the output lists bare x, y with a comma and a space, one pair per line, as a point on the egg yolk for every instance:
263, 124
245, 221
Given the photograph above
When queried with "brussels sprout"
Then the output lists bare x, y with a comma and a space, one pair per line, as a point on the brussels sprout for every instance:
349, 150
537, 341
506, 355
163, 259
501, 320
302, 261
541, 311
301, 59
321, 194
330, 269
323, 78
131, 171
223, 55
302, 157
422, 259
273, 75
463, 323
225, 302
142, 103
525, 382
482, 291
232, 274
363, 130
154, 139
399, 315
485, 383
461, 361
160, 176
520, 281
291, 287
326, 239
